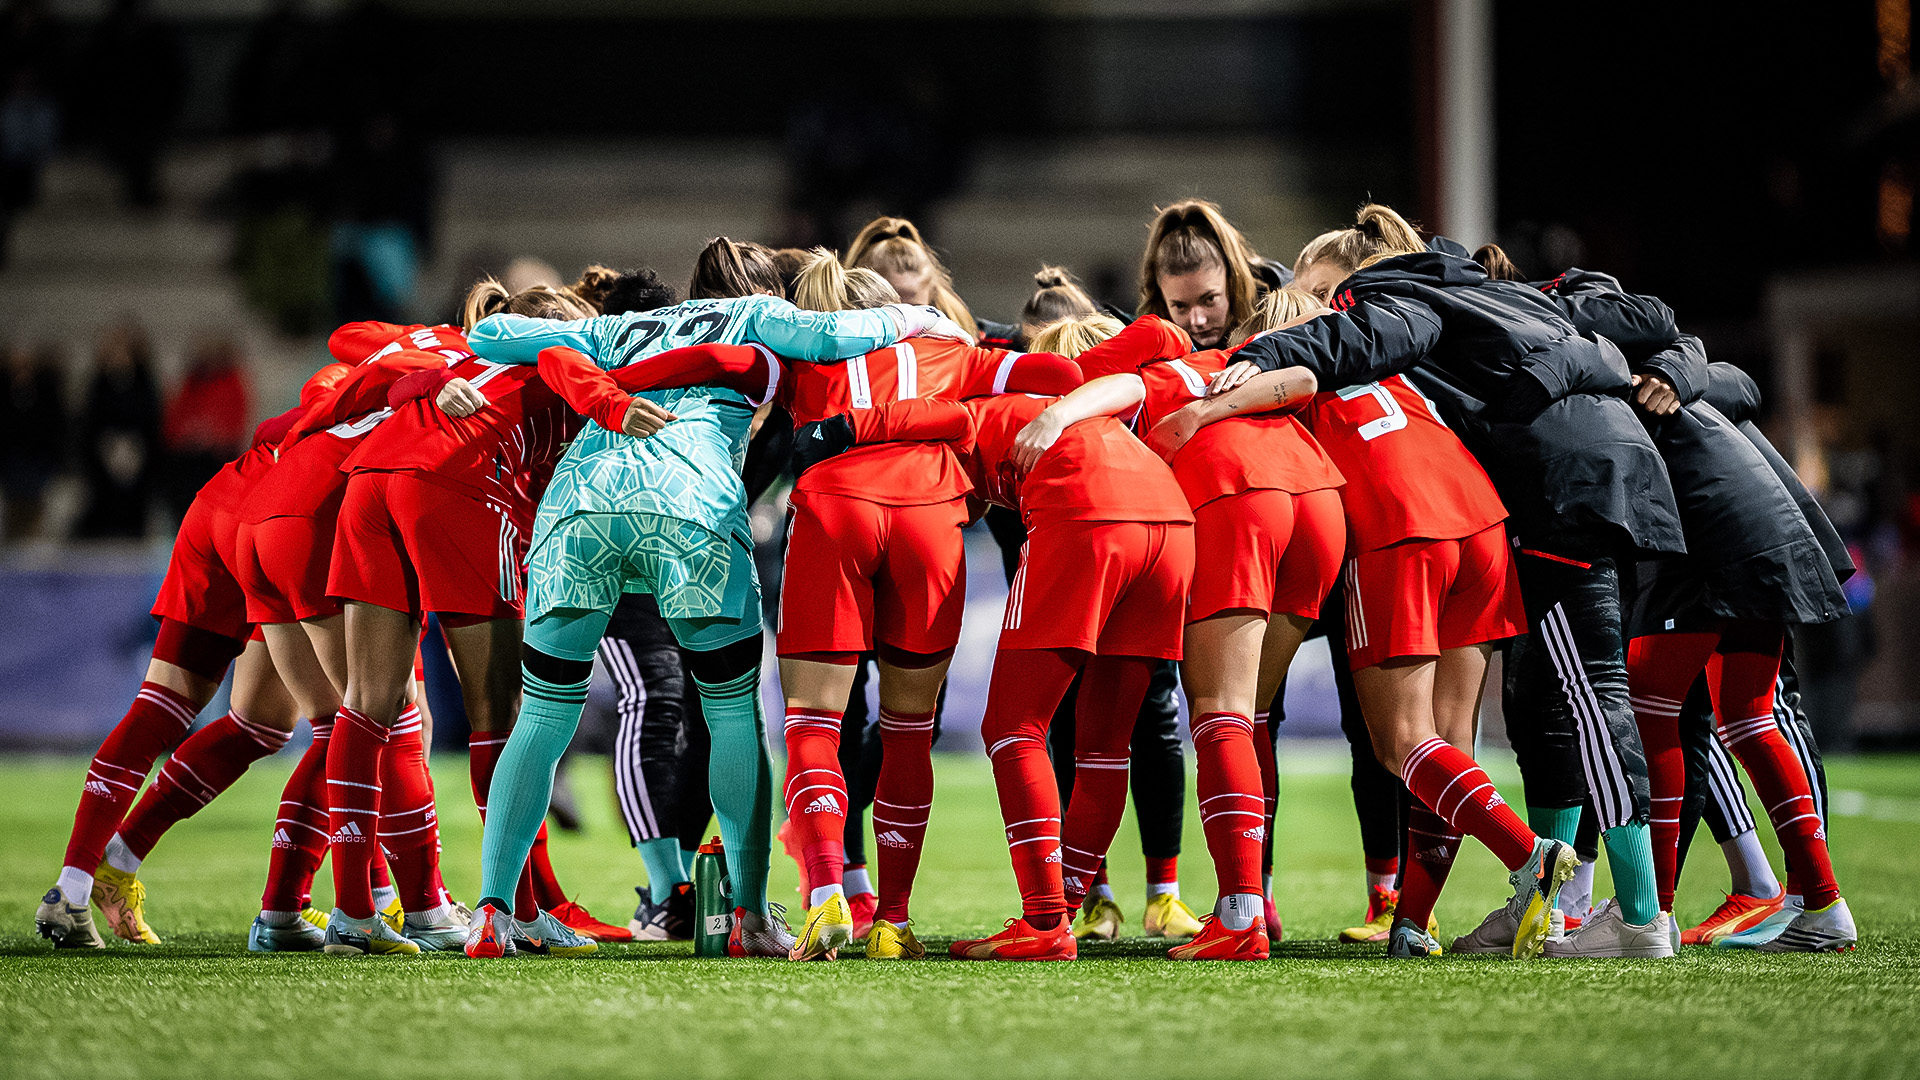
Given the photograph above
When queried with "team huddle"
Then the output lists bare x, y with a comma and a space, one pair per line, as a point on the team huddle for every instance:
1397, 444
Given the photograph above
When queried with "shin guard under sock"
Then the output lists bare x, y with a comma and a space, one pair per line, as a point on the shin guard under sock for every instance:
902, 801
353, 808
741, 784
157, 719
199, 770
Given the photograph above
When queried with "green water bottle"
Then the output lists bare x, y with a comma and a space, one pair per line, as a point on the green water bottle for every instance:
712, 900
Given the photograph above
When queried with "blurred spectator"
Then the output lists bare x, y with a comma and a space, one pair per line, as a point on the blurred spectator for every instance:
206, 420
134, 79
384, 187
119, 436
29, 116
33, 434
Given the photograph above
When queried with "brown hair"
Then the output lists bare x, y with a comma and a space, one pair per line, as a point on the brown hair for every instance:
1493, 259
1071, 337
1282, 306
1190, 235
734, 268
824, 285
489, 297
1378, 233
595, 283
893, 245
1056, 296
789, 262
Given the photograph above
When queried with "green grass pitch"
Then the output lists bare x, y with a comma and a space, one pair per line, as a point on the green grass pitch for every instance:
201, 1007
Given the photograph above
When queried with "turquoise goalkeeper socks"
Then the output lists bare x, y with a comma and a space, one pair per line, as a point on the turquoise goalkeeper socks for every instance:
741, 784
1562, 824
1630, 860
523, 778
662, 858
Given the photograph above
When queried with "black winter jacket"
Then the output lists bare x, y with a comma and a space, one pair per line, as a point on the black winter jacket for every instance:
1733, 392
1751, 552
1541, 405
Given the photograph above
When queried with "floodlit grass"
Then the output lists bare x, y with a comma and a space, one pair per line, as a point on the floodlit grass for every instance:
200, 1006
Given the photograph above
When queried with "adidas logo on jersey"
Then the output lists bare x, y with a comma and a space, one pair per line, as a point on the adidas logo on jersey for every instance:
892, 838
825, 804
348, 834
98, 787
281, 839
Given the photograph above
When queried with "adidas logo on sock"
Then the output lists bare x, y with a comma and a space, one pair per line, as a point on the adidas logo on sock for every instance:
1437, 853
825, 804
1076, 883
1258, 832
1494, 800
1054, 855
281, 839
97, 787
892, 838
348, 834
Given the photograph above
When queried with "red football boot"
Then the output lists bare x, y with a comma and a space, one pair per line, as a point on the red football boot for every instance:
581, 921
863, 905
1020, 941
1216, 942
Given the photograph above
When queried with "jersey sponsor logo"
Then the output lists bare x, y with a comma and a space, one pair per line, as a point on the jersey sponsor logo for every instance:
824, 804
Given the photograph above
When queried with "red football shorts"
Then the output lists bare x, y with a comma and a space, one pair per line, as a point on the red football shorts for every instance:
414, 546
1115, 588
283, 566
860, 573
201, 589
1268, 551
1420, 597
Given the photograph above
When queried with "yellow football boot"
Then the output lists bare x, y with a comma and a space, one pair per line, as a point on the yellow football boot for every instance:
122, 899
829, 926
1099, 919
1168, 916
889, 942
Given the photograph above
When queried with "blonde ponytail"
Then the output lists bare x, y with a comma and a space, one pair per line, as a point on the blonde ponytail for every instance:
1283, 306
893, 247
1379, 233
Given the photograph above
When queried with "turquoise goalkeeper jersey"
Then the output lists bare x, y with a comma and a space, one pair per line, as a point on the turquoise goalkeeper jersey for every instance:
691, 469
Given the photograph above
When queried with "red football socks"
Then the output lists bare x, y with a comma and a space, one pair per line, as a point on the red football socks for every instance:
300, 830
1111, 691
1232, 803
1027, 686
409, 826
201, 768
816, 793
902, 799
1269, 780
1742, 684
156, 720
1432, 845
353, 808
1447, 780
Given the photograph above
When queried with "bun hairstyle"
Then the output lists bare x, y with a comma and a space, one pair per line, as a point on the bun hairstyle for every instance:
1056, 296
1193, 235
1282, 306
636, 290
1493, 258
893, 247
825, 285
1071, 337
1378, 233
729, 268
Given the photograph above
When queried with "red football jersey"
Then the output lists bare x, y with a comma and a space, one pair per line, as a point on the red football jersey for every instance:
907, 473
503, 454
1096, 471
1242, 454
307, 475
1408, 476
